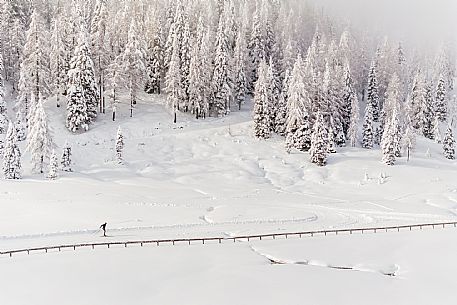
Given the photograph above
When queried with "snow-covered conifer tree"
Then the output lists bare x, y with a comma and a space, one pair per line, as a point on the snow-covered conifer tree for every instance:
427, 113
200, 76
368, 136
389, 143
409, 135
240, 81
449, 144
155, 65
53, 166
66, 158
39, 139
262, 98
82, 93
319, 142
12, 167
275, 91
221, 82
298, 129
256, 45
351, 106
440, 106
331, 145
185, 50
20, 125
173, 79
120, 146
333, 102
349, 95
281, 116
373, 92
417, 100
35, 63
77, 116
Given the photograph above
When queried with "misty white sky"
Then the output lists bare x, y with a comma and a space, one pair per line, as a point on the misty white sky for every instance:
425, 22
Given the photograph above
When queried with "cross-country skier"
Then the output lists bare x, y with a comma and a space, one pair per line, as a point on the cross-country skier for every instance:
103, 227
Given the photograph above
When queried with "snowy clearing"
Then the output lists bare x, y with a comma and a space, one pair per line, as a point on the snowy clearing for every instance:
169, 188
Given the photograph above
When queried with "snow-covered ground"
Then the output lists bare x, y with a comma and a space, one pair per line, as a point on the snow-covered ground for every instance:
350, 269
212, 178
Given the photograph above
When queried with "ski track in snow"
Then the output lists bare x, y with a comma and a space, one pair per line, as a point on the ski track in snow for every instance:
391, 271
208, 223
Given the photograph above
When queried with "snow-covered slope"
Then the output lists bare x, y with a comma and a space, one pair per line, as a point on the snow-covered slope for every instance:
213, 178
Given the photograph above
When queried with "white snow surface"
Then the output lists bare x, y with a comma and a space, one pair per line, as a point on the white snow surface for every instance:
210, 178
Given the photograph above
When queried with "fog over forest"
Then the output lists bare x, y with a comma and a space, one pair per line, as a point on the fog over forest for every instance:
425, 24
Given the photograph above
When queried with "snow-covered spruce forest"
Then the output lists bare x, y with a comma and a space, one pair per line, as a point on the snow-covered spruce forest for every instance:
313, 79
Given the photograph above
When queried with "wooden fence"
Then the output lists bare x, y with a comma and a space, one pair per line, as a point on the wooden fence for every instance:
190, 241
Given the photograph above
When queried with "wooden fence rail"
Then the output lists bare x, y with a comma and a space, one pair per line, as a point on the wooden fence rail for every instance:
219, 240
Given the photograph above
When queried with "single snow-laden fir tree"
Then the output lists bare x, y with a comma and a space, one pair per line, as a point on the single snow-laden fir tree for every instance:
427, 113
53, 166
35, 63
367, 134
440, 106
449, 144
3, 106
319, 142
39, 139
82, 93
132, 65
119, 146
240, 80
65, 161
173, 80
298, 129
262, 98
221, 83
12, 167
373, 92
